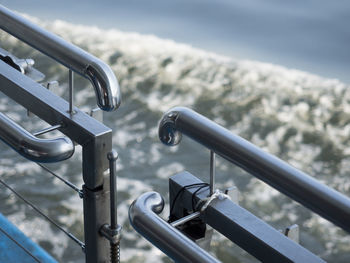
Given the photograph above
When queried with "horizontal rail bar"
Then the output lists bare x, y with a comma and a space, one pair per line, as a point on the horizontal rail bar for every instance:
46, 130
94, 136
299, 186
99, 73
185, 219
142, 215
31, 147
239, 225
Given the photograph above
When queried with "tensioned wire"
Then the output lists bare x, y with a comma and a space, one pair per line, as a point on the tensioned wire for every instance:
19, 245
70, 235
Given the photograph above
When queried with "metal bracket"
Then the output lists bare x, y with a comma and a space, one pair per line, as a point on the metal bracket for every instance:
97, 114
25, 66
237, 224
292, 232
113, 235
52, 84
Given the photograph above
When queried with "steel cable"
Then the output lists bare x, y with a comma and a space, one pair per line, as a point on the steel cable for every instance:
70, 235
18, 244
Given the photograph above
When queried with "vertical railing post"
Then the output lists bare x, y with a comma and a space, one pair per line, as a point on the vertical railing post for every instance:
212, 173
71, 91
96, 197
95, 140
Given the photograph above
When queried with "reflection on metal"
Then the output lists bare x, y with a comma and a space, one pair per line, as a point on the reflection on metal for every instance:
112, 158
25, 66
237, 224
93, 136
100, 74
35, 149
95, 139
299, 186
143, 217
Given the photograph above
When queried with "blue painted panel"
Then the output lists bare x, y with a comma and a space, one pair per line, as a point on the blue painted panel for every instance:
17, 247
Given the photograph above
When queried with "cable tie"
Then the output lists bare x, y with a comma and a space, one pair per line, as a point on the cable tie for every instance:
217, 195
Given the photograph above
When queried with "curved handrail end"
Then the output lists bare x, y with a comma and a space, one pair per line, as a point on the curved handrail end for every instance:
167, 131
31, 147
142, 216
105, 84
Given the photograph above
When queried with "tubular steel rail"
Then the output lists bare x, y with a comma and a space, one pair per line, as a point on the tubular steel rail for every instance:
143, 217
299, 186
99, 73
234, 222
94, 137
96, 142
31, 147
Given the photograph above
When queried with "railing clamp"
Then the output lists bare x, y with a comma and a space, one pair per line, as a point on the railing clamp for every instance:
25, 66
113, 235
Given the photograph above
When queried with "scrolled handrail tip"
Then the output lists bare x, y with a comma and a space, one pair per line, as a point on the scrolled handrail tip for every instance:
144, 204
167, 131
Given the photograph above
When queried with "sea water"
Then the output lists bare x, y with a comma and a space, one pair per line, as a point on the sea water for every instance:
302, 118
311, 35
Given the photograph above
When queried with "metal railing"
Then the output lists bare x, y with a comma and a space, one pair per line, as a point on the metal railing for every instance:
188, 199
299, 186
143, 217
94, 137
99, 73
31, 147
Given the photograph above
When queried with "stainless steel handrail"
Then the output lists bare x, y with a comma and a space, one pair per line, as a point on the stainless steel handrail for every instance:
142, 215
95, 140
31, 147
99, 73
299, 186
